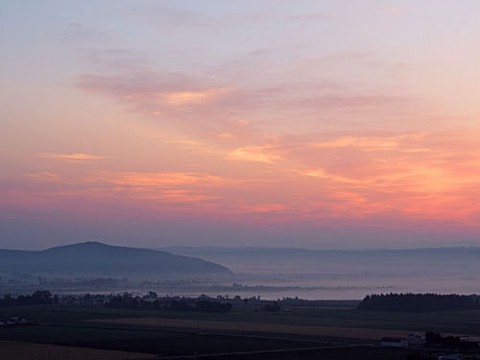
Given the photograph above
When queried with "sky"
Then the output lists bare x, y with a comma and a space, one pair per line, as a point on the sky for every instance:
319, 124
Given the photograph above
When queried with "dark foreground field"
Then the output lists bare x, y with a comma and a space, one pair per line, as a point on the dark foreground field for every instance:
318, 333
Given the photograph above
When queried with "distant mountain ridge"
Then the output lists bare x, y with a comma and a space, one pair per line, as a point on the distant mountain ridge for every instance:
281, 251
460, 259
99, 259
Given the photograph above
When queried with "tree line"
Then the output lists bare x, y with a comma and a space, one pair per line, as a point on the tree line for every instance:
410, 302
205, 304
124, 300
40, 297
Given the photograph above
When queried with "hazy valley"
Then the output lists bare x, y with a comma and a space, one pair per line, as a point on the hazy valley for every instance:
347, 274
267, 272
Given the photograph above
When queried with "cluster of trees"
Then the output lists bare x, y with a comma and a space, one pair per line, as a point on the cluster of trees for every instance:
40, 297
272, 307
454, 342
125, 301
419, 302
152, 301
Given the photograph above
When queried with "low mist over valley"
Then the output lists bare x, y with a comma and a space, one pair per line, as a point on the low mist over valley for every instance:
346, 274
247, 271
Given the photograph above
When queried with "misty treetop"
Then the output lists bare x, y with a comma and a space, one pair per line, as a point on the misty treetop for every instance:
410, 302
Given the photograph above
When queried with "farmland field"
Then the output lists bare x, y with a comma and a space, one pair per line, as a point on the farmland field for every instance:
301, 333
343, 332
15, 350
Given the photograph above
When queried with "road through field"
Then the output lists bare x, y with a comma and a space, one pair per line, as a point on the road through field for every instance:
344, 332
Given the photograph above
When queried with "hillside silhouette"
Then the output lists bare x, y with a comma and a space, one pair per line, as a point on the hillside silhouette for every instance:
99, 259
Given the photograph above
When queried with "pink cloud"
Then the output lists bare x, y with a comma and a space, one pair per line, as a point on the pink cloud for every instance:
71, 157
156, 94
263, 154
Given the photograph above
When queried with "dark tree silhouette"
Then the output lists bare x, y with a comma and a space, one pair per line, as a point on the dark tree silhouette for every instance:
418, 302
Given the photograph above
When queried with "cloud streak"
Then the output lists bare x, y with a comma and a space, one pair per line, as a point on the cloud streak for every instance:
153, 93
262, 154
71, 157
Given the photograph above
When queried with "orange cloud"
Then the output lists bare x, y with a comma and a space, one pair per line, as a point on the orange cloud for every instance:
156, 91
371, 142
263, 154
415, 175
155, 178
185, 98
74, 157
160, 186
322, 174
